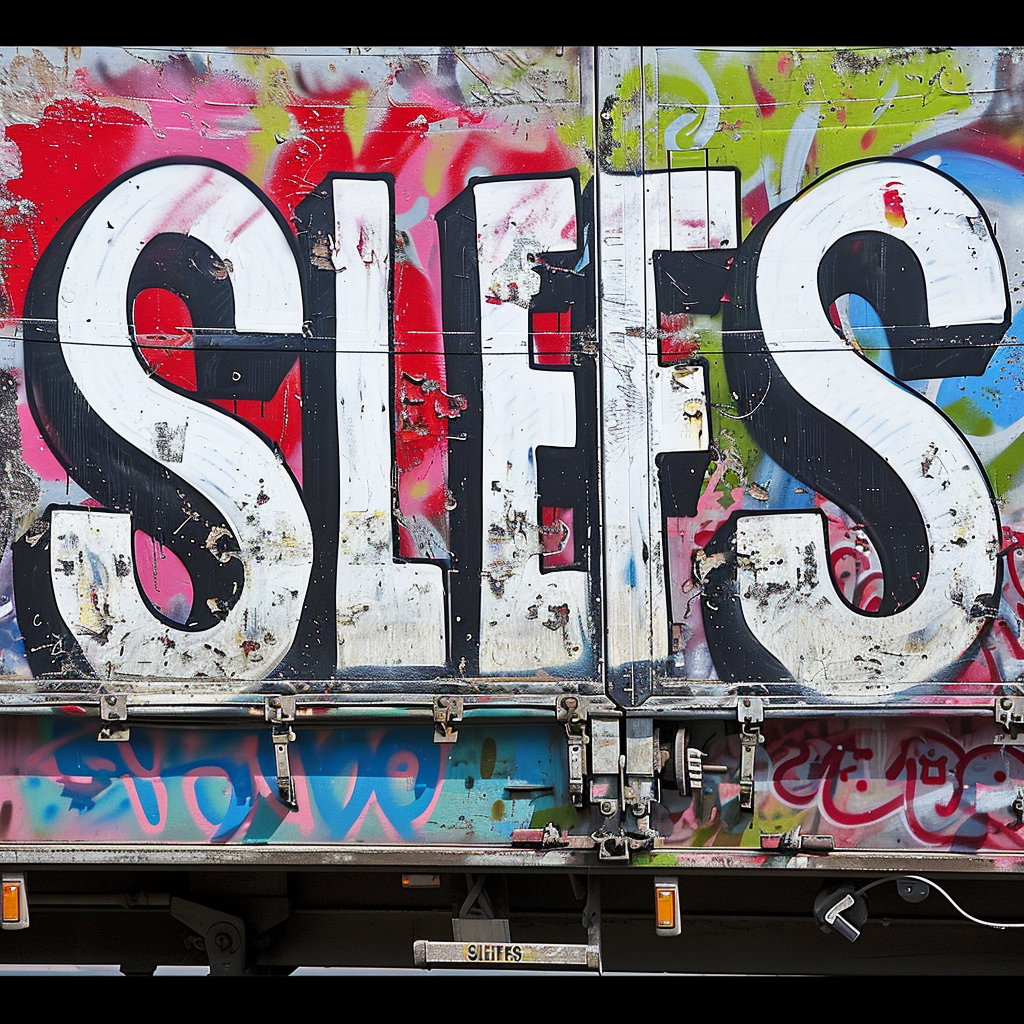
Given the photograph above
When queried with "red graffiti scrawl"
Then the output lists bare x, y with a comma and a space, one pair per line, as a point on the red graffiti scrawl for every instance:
894, 213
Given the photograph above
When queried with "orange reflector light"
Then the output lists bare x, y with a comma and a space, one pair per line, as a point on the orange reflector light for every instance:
421, 881
11, 901
666, 908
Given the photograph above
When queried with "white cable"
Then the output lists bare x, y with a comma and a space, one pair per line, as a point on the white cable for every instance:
938, 888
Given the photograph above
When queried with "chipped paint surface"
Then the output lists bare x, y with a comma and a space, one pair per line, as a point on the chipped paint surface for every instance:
830, 253
355, 785
419, 380
255, 480
656, 374
930, 785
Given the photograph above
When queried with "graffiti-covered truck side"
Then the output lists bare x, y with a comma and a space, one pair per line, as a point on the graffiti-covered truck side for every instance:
511, 505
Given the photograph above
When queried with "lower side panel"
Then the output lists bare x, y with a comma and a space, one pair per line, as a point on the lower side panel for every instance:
388, 784
924, 785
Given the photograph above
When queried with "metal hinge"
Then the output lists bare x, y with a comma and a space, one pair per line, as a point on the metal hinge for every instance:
794, 840
280, 713
1010, 715
572, 711
750, 712
551, 836
447, 715
114, 713
622, 845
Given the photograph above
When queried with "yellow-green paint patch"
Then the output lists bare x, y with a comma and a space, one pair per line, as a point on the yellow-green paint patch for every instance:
273, 92
829, 106
441, 155
564, 817
577, 135
1005, 467
967, 415
356, 116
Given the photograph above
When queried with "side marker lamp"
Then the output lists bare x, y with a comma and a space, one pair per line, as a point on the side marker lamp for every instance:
13, 903
666, 906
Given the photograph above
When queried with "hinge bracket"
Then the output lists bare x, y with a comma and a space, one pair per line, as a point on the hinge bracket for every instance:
795, 840
1010, 715
750, 711
622, 845
447, 715
114, 714
573, 712
279, 711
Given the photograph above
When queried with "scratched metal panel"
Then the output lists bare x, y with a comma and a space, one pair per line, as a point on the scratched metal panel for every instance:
354, 785
873, 784
353, 409
836, 250
300, 382
931, 786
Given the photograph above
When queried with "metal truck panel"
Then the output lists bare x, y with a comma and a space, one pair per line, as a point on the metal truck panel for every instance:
508, 459
609, 402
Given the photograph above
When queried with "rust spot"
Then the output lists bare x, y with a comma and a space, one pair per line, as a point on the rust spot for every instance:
488, 757
217, 541
220, 269
320, 254
451, 406
559, 616
704, 563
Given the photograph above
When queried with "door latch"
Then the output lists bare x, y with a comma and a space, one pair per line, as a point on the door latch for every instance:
1010, 715
750, 712
571, 710
114, 714
689, 771
447, 715
279, 711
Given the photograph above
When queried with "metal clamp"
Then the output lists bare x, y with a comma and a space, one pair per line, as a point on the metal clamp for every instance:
279, 710
114, 713
573, 712
750, 712
795, 840
689, 769
447, 715
621, 845
1010, 715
